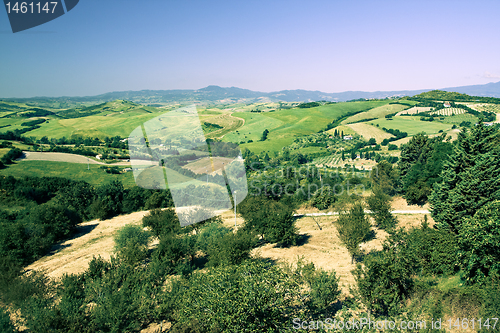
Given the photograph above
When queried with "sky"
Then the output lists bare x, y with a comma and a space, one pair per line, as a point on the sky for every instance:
332, 46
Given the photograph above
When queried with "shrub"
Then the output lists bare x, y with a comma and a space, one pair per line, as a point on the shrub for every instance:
324, 289
383, 282
232, 249
271, 219
131, 243
6, 325
354, 228
380, 205
162, 222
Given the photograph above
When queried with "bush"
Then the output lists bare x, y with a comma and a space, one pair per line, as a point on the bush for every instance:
479, 238
324, 289
354, 228
380, 205
232, 249
6, 325
271, 219
162, 222
131, 243
383, 282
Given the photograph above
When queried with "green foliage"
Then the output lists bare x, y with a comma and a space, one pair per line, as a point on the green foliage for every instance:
6, 325
384, 176
109, 200
253, 296
421, 163
354, 228
323, 199
470, 178
383, 282
162, 222
380, 205
324, 289
131, 243
431, 251
211, 236
232, 249
479, 238
271, 219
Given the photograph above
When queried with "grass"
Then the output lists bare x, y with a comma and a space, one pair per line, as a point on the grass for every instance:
458, 118
378, 112
75, 171
285, 125
411, 125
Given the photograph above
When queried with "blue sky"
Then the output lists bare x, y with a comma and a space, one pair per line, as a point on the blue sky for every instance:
332, 46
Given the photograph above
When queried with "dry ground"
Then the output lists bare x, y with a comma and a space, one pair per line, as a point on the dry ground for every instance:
322, 247
208, 164
95, 238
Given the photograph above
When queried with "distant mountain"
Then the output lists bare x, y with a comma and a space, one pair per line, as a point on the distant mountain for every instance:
488, 90
217, 95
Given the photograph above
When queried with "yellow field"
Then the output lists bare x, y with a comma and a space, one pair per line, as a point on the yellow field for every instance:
368, 131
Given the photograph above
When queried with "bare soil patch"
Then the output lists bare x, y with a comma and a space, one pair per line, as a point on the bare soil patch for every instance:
95, 238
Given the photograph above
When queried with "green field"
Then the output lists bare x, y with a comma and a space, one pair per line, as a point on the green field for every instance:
411, 125
378, 112
75, 171
285, 125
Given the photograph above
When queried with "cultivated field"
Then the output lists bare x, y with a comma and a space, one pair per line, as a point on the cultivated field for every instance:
208, 164
368, 131
285, 125
414, 110
378, 112
411, 125
75, 171
448, 112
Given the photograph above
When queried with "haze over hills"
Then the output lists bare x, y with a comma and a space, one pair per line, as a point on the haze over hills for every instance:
216, 94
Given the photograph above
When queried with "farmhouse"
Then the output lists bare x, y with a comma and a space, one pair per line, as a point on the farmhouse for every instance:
447, 104
347, 137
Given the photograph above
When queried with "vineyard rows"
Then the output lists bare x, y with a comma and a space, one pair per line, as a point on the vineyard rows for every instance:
328, 160
448, 112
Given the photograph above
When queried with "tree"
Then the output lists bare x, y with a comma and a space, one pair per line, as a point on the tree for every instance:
384, 176
354, 228
324, 289
380, 205
479, 239
109, 200
470, 178
162, 222
131, 243
420, 166
271, 219
383, 282
264, 135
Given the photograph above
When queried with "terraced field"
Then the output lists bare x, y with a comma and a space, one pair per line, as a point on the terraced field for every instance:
228, 122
